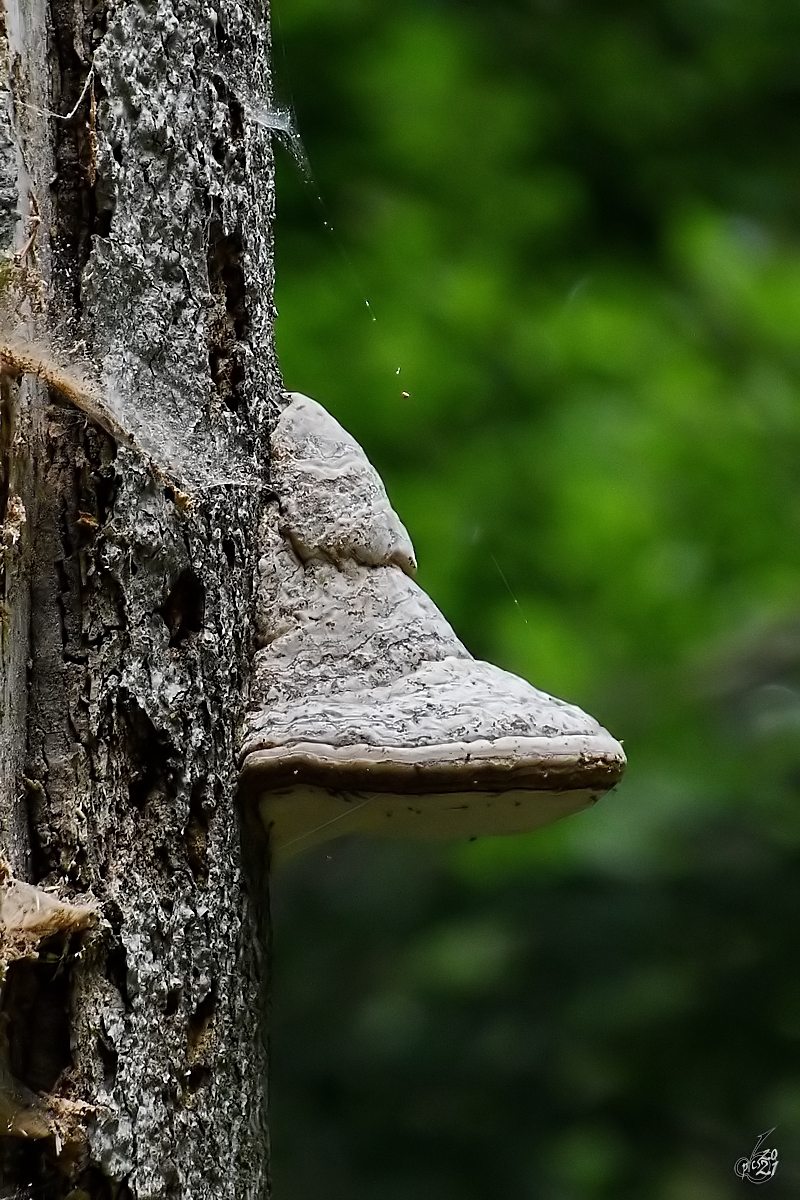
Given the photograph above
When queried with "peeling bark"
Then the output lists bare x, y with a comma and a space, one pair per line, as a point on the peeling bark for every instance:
142, 229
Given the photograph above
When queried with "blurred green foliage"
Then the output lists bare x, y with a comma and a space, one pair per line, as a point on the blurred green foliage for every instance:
578, 228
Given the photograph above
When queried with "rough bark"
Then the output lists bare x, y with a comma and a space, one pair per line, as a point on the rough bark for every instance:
127, 568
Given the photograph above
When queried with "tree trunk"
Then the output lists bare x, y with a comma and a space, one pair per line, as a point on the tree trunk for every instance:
139, 374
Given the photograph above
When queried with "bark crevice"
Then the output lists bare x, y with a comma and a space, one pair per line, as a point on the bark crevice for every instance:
73, 198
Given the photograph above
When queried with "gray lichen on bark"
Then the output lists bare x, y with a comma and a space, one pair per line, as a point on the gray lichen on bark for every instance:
126, 633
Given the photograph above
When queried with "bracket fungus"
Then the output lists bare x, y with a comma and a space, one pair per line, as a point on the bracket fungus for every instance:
367, 713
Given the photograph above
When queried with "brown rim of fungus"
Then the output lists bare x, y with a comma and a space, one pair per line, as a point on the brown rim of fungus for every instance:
531, 764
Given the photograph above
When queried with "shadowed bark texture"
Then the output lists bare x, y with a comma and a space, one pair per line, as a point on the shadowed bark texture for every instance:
139, 263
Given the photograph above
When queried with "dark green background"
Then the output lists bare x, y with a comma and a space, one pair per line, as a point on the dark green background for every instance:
577, 226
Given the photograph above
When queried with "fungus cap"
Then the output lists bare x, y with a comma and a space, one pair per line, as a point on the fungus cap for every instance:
367, 713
